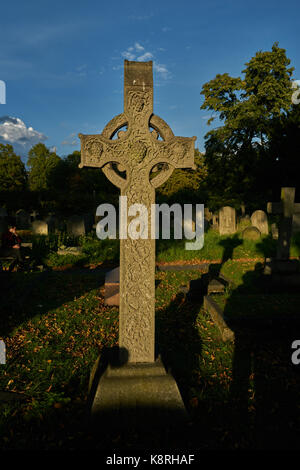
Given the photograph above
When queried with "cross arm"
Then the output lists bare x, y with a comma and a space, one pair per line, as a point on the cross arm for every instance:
97, 151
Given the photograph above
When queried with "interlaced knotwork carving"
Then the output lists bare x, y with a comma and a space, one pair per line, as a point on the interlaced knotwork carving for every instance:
137, 151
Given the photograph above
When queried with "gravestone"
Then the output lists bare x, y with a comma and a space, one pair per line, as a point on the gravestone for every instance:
227, 220
51, 221
208, 215
287, 208
142, 382
39, 227
88, 222
215, 222
251, 233
34, 215
259, 220
22, 220
296, 223
76, 225
282, 268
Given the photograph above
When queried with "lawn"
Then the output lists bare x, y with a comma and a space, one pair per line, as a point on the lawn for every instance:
55, 324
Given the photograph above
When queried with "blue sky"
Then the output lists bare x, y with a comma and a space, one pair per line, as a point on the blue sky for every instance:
62, 62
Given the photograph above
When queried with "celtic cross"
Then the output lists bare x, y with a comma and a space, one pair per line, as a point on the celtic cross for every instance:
140, 159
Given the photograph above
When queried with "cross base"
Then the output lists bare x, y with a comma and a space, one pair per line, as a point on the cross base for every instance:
283, 272
138, 395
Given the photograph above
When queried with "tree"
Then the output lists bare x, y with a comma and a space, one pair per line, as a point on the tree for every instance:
239, 153
184, 185
12, 170
42, 163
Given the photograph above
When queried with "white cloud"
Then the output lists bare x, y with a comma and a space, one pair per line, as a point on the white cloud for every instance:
133, 53
144, 57
15, 132
138, 47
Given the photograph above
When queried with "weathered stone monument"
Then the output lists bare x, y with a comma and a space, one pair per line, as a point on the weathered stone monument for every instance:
227, 220
76, 225
259, 220
142, 382
282, 268
39, 227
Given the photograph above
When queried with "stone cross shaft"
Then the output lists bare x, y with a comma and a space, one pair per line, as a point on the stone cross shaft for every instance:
141, 158
286, 209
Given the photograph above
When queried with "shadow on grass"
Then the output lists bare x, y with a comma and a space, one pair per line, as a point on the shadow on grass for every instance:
264, 394
25, 295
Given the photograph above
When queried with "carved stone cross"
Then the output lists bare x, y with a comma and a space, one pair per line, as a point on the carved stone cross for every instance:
137, 151
286, 209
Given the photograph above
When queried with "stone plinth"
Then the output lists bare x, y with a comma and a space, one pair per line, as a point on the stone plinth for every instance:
138, 394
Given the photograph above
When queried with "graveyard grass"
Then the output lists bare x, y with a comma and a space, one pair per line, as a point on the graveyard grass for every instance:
239, 396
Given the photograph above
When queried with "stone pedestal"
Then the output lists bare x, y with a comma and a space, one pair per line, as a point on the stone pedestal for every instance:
138, 395
283, 272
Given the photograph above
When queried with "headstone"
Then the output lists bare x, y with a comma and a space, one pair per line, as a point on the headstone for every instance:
208, 215
76, 226
287, 208
51, 220
215, 221
39, 227
259, 220
296, 223
22, 220
34, 215
251, 233
138, 150
274, 231
88, 222
284, 271
227, 220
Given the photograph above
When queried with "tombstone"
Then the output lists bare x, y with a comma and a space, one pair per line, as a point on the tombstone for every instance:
76, 226
51, 221
227, 220
274, 231
215, 222
282, 268
22, 220
112, 287
296, 223
208, 215
137, 150
251, 233
88, 222
287, 208
34, 215
259, 220
39, 227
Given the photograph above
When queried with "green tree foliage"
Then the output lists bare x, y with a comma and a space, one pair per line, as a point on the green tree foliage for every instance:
240, 153
42, 163
184, 184
12, 170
